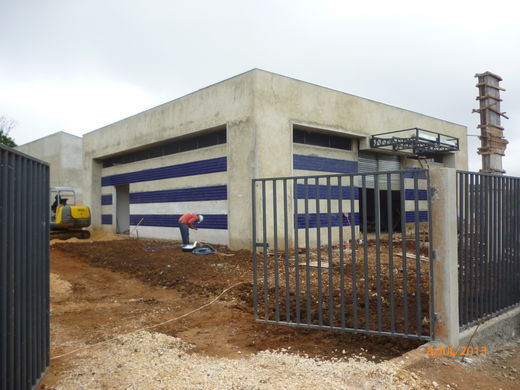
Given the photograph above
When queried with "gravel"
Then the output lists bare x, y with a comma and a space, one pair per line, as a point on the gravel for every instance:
145, 360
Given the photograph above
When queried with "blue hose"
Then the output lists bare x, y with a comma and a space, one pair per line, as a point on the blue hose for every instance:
203, 251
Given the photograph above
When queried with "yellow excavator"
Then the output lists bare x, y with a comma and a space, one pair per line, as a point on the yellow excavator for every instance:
68, 219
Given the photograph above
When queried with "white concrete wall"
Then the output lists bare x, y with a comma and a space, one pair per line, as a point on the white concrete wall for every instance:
63, 152
162, 211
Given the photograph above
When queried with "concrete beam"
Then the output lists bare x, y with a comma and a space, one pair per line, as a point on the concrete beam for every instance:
444, 238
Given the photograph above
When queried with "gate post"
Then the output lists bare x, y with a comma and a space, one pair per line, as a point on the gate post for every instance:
445, 258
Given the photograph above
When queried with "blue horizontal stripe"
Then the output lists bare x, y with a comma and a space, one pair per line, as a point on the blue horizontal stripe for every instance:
423, 216
411, 174
201, 167
324, 193
324, 164
106, 200
410, 194
211, 221
180, 195
324, 220
106, 219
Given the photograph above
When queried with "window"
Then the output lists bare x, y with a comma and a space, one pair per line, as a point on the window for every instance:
181, 145
321, 139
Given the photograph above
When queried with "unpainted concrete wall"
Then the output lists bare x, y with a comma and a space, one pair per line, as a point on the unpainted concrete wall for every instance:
63, 152
259, 110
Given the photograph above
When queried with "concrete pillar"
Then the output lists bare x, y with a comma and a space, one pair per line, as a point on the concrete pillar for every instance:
444, 237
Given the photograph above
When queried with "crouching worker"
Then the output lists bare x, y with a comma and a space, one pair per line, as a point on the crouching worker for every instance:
187, 222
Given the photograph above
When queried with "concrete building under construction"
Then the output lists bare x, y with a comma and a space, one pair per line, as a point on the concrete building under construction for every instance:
199, 153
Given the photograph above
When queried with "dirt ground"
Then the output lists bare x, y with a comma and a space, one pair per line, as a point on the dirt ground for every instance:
104, 289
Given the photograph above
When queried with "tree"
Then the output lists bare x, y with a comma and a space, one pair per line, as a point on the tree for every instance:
6, 125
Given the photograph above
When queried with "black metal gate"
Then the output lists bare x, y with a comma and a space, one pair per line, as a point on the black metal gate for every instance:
489, 245
344, 252
24, 270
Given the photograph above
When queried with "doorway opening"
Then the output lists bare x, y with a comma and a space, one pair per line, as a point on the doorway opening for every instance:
122, 209
395, 210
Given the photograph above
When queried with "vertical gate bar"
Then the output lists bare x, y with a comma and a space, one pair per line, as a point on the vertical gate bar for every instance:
18, 272
478, 207
466, 253
26, 259
4, 285
341, 253
38, 329
404, 264
493, 225
504, 283
34, 254
377, 206
476, 275
318, 248
37, 271
509, 281
482, 208
495, 243
491, 229
483, 244
296, 250
516, 256
255, 276
286, 252
266, 257
31, 239
460, 240
21, 260
500, 244
329, 237
42, 207
276, 265
365, 251
40, 313
390, 248
307, 254
29, 242
430, 257
505, 229
46, 317
487, 230
515, 259
24, 267
353, 249
418, 276
12, 164
511, 241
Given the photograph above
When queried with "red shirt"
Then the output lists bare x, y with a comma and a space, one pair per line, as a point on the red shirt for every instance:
189, 219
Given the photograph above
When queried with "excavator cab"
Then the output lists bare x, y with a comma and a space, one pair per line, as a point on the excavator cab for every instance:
68, 219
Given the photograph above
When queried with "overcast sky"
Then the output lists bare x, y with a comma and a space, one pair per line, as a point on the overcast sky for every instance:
75, 66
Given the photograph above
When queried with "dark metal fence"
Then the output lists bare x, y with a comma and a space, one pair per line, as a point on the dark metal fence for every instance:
489, 245
24, 270
344, 252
